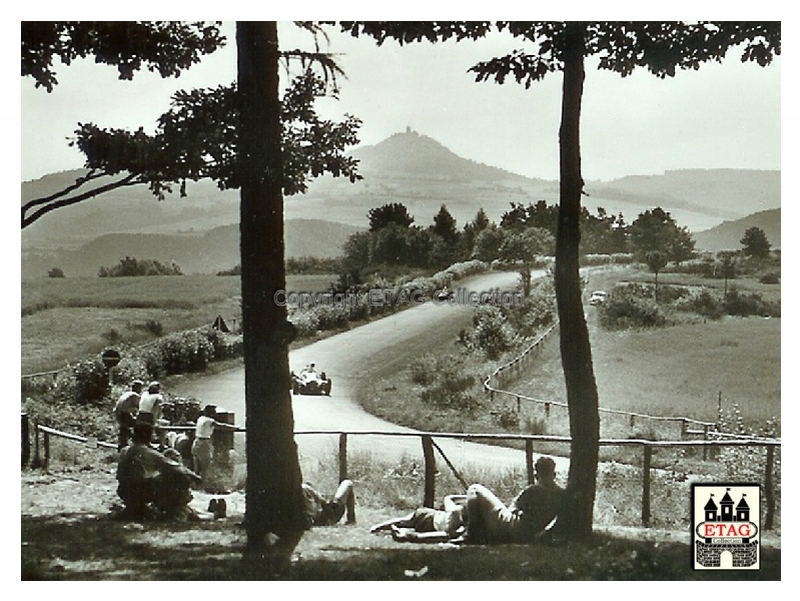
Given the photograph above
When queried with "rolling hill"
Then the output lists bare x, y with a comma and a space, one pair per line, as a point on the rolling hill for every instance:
728, 234
205, 252
407, 167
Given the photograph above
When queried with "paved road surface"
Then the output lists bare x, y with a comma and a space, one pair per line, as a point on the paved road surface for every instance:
378, 348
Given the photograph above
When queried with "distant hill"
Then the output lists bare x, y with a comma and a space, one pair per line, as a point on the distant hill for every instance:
407, 167
207, 252
728, 234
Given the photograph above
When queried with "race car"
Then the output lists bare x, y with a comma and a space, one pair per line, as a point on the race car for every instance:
308, 381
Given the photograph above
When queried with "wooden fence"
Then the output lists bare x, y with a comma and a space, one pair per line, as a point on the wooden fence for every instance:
429, 449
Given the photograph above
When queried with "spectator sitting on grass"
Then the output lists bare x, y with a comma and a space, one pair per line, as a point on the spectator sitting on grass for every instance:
150, 484
526, 519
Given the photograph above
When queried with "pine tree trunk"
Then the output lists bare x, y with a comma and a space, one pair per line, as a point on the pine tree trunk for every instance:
273, 488
576, 354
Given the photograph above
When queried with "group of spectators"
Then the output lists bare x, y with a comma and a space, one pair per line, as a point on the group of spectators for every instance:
157, 468
160, 480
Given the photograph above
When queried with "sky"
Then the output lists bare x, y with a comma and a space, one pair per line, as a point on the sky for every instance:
723, 115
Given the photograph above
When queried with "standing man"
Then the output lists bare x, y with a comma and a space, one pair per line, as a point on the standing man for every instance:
203, 447
125, 411
150, 404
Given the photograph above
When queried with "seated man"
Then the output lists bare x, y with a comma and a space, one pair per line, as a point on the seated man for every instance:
532, 512
429, 525
147, 480
322, 512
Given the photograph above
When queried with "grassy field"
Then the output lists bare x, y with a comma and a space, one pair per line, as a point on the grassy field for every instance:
68, 319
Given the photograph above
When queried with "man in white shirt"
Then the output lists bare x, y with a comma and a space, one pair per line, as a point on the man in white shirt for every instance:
125, 411
150, 403
202, 447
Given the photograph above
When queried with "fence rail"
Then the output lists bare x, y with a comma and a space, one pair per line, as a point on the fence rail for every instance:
709, 429
429, 448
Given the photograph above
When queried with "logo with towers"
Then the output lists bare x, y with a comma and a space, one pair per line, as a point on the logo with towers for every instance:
725, 526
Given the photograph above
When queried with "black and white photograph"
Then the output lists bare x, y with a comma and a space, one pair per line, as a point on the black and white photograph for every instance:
400, 300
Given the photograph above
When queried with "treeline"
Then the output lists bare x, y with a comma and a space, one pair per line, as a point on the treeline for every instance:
523, 234
297, 266
131, 266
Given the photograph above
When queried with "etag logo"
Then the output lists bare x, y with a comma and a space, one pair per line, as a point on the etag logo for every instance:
725, 526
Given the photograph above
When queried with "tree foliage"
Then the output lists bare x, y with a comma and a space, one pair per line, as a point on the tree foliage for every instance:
167, 47
393, 213
656, 230
131, 266
196, 138
755, 243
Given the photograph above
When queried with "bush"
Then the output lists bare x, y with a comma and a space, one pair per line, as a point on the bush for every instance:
131, 266
770, 278
56, 272
446, 386
620, 312
90, 382
422, 370
743, 305
490, 333
506, 417
704, 304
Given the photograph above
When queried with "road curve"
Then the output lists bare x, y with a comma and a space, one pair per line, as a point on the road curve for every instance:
350, 358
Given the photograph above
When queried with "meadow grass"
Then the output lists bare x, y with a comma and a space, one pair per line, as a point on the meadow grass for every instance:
65, 320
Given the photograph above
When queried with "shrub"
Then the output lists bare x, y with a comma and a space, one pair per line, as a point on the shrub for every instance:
422, 370
620, 312
490, 333
704, 304
90, 382
131, 266
535, 425
306, 322
506, 417
156, 328
770, 278
56, 272
743, 305
185, 352
449, 387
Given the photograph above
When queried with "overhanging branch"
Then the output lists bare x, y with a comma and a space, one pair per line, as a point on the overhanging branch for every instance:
57, 200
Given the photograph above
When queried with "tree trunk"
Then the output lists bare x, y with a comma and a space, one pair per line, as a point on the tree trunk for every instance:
576, 353
274, 501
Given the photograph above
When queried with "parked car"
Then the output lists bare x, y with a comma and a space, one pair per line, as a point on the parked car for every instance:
308, 381
598, 297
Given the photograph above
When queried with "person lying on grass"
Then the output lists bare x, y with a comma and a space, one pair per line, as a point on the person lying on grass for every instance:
428, 525
323, 512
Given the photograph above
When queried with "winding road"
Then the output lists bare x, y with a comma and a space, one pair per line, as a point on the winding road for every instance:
351, 358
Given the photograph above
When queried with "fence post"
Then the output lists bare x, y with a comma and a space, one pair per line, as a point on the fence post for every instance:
529, 459
519, 405
430, 470
768, 493
46, 463
37, 458
221, 472
26, 440
547, 410
648, 453
705, 438
342, 456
